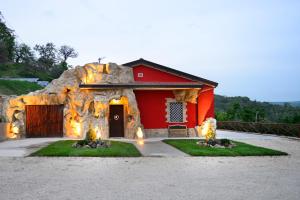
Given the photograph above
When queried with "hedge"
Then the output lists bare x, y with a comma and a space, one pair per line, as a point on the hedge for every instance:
292, 130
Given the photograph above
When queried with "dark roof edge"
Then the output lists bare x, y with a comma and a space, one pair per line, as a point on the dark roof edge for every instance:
170, 70
137, 85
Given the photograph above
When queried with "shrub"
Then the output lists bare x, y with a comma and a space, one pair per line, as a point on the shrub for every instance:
211, 142
82, 142
225, 142
91, 135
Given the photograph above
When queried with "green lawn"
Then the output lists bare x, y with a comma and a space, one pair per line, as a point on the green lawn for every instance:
190, 147
15, 70
12, 87
64, 148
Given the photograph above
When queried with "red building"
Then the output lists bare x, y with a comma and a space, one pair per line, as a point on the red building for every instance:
115, 101
158, 107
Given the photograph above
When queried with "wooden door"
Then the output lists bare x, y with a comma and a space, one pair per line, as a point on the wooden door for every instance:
116, 121
44, 120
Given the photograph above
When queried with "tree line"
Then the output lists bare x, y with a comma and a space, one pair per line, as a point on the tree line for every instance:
45, 58
244, 110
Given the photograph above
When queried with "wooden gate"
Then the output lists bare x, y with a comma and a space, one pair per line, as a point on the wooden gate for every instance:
116, 121
44, 120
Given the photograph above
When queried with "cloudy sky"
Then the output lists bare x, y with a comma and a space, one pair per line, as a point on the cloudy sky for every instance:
252, 48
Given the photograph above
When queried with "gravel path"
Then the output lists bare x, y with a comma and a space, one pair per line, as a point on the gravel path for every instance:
157, 178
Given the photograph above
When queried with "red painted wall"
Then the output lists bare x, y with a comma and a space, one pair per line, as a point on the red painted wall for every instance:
205, 104
154, 75
152, 103
152, 106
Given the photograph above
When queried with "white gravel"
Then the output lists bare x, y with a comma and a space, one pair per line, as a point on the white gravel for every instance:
157, 178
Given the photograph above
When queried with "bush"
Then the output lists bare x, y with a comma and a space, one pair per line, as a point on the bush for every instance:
82, 142
224, 142
91, 135
211, 142
292, 130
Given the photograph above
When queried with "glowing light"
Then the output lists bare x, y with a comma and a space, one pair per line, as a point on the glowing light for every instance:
119, 101
140, 133
115, 101
140, 142
76, 128
205, 129
14, 131
140, 136
208, 129
89, 78
12, 136
98, 133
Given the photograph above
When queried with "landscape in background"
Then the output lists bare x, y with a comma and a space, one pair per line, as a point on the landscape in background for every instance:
46, 62
246, 110
292, 103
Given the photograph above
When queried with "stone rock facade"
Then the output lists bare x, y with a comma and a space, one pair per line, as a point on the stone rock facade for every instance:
186, 95
82, 108
164, 132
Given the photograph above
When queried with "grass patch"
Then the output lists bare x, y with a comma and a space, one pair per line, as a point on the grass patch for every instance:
64, 148
190, 147
12, 87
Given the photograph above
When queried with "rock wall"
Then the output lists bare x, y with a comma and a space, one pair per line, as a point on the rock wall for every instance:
82, 108
187, 95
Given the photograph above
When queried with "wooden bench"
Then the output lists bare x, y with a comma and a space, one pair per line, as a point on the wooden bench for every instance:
177, 131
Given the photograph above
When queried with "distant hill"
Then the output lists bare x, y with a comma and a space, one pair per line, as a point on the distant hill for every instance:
292, 103
243, 109
9, 87
15, 70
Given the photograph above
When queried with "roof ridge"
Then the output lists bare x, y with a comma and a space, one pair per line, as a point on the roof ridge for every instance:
170, 70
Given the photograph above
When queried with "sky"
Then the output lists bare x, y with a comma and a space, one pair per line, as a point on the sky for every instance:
250, 47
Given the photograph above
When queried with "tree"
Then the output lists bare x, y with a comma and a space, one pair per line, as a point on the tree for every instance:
234, 111
23, 54
67, 52
7, 42
222, 116
47, 54
247, 114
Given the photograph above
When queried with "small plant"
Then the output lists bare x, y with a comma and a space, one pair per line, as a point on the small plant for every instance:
211, 142
216, 143
92, 144
91, 135
82, 142
211, 134
225, 142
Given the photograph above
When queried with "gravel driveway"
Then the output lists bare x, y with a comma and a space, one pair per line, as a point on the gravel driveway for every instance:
157, 178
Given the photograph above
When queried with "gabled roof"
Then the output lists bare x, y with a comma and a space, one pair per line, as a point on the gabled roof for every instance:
141, 61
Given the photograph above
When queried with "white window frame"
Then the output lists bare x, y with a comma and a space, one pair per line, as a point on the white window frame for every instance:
184, 110
140, 75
